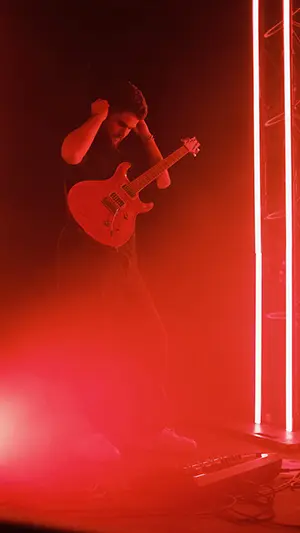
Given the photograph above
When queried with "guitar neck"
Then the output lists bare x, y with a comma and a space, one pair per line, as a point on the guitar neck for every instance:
139, 183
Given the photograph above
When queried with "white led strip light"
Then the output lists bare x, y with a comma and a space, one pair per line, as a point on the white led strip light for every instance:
257, 215
288, 212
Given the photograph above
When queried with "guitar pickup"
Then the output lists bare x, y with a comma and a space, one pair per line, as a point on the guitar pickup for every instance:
116, 198
126, 187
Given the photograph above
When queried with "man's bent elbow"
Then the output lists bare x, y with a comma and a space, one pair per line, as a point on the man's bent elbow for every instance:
70, 157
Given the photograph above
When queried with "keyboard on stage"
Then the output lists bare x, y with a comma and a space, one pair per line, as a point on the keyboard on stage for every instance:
233, 470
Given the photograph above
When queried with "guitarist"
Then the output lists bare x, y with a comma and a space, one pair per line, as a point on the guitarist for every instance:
131, 338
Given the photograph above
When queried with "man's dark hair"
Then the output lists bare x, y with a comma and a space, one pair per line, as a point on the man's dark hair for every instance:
127, 97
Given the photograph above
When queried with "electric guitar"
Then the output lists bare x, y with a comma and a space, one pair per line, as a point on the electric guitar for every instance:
107, 210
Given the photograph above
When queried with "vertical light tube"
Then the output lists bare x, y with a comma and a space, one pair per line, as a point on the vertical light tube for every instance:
288, 212
257, 213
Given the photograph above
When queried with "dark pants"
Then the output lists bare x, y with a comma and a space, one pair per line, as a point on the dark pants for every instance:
118, 340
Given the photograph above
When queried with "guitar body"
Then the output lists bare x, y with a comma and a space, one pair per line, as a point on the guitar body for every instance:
107, 210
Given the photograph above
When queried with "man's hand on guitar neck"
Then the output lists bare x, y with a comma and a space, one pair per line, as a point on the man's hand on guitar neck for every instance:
142, 130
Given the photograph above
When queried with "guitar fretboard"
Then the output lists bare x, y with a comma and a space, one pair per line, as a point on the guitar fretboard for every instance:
139, 183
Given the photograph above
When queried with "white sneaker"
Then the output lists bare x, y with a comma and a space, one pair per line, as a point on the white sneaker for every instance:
97, 447
167, 444
168, 441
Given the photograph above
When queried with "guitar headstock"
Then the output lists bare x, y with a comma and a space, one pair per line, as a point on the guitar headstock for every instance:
192, 145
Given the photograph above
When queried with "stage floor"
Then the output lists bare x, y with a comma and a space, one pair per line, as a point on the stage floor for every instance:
81, 507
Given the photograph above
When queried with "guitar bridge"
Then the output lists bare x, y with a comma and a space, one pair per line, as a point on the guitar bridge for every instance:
110, 205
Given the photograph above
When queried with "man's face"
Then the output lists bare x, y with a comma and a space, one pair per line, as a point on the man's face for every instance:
119, 125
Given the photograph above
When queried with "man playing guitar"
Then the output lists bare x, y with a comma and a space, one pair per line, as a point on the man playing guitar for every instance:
115, 308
